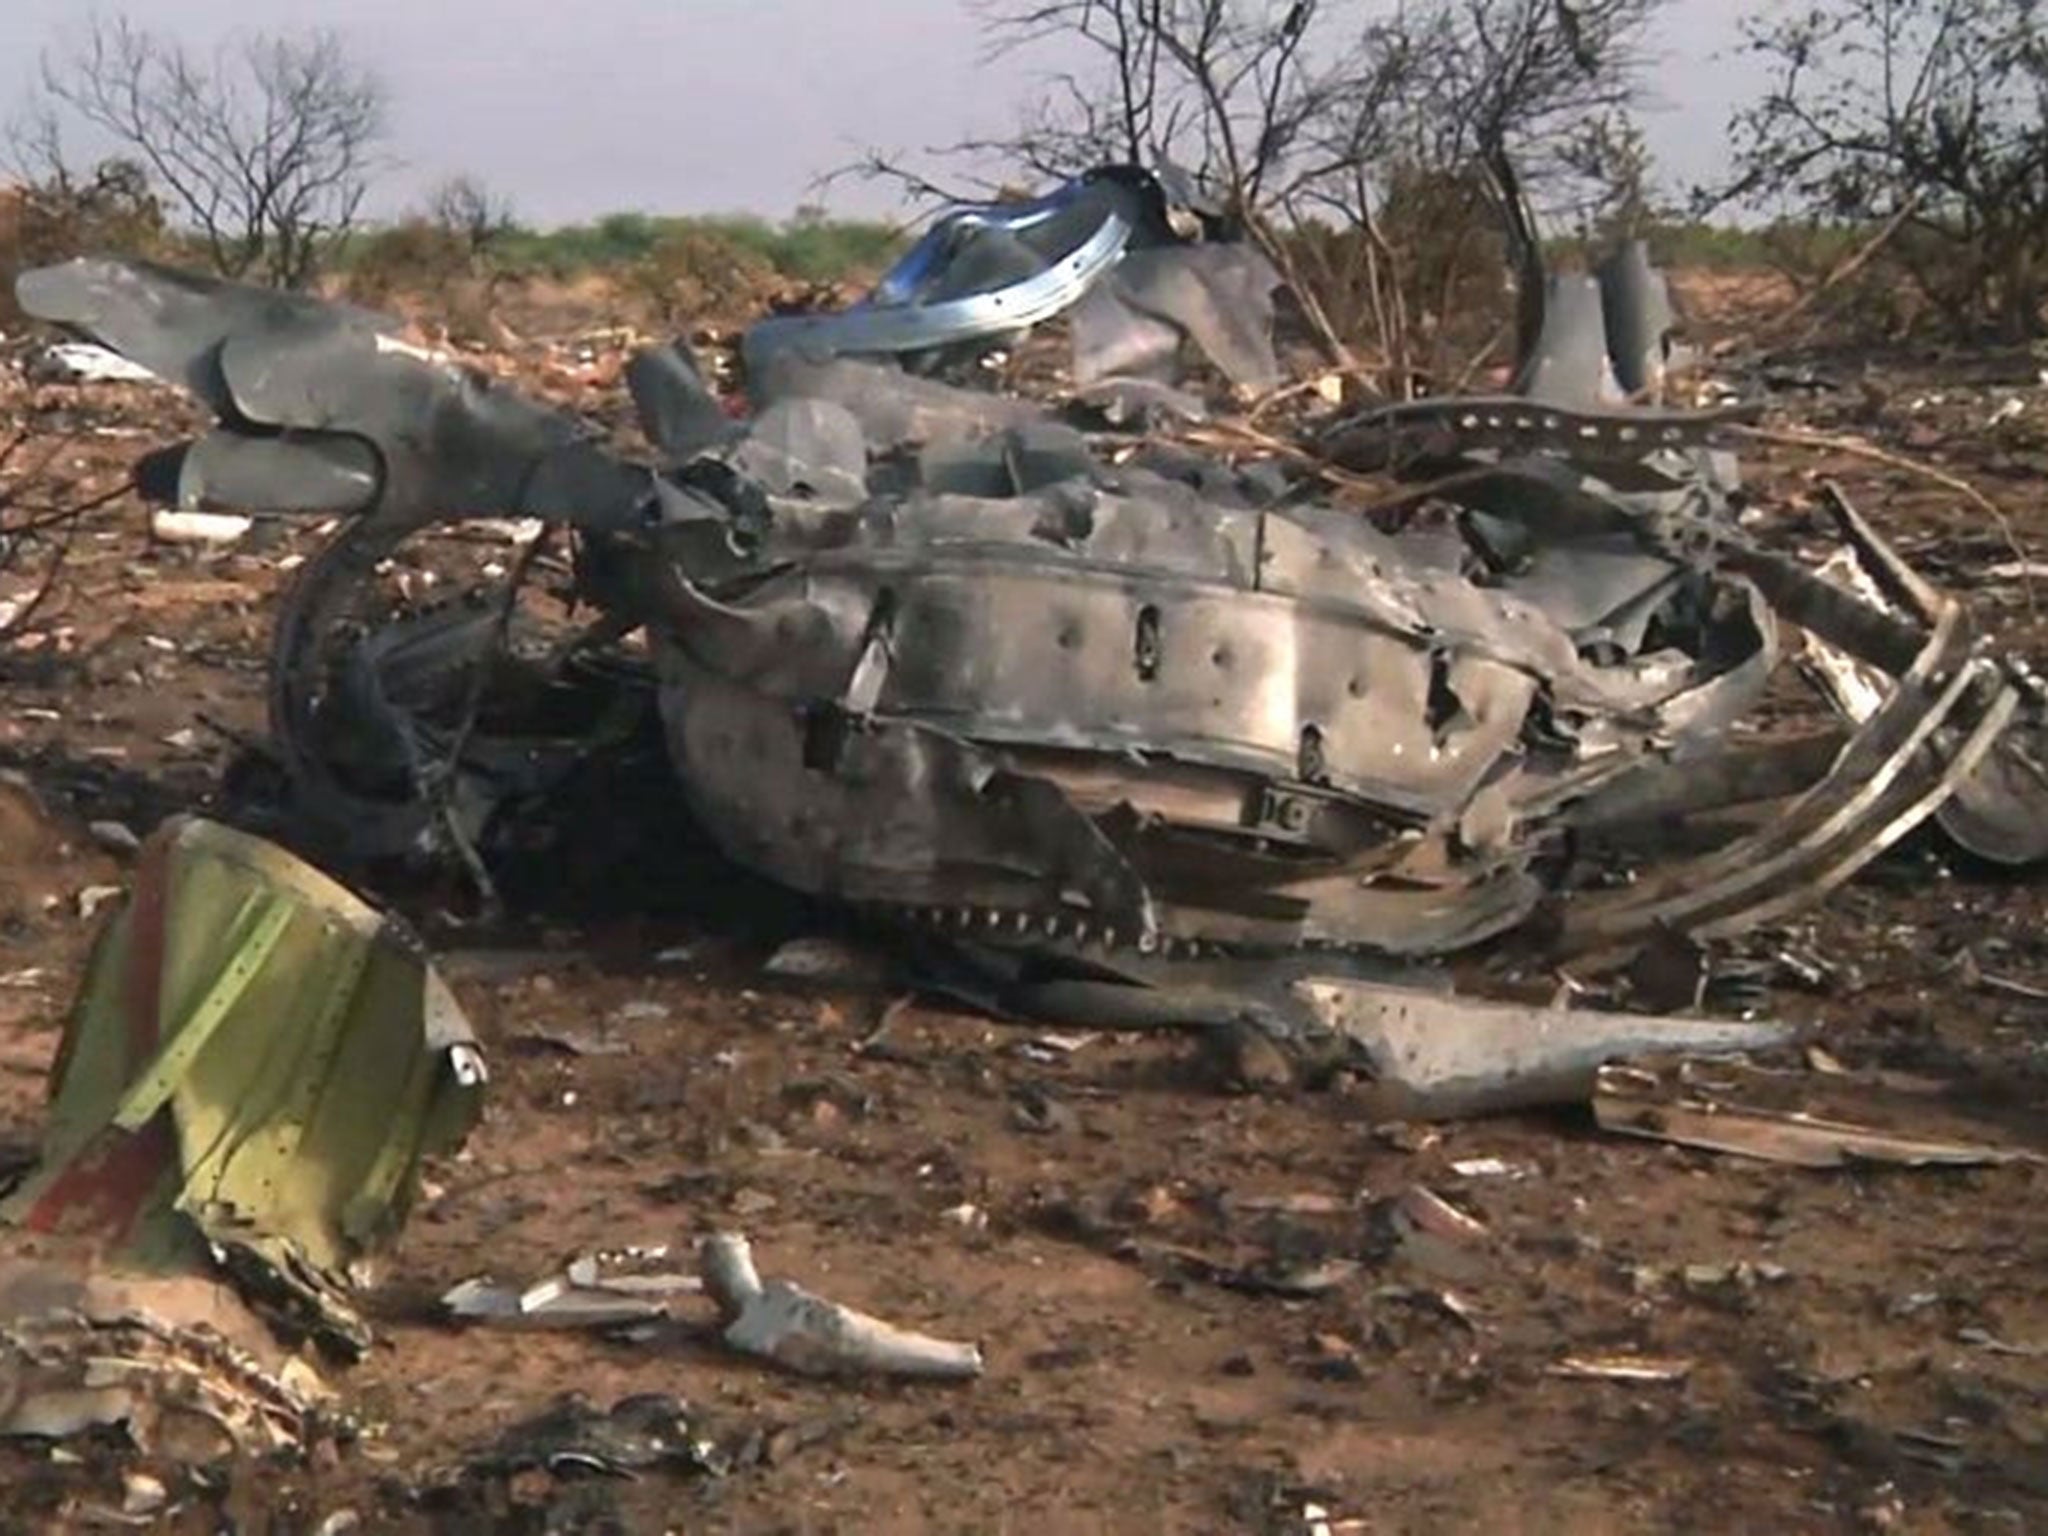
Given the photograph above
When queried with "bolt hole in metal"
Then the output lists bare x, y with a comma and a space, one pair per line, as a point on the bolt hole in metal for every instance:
1146, 643
1444, 708
1313, 765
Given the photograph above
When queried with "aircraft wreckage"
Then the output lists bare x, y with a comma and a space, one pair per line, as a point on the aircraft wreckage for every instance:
1142, 735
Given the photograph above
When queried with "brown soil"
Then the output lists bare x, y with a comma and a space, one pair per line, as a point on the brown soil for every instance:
1878, 1366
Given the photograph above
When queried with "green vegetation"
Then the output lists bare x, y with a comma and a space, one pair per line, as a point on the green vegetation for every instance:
808, 248
1793, 247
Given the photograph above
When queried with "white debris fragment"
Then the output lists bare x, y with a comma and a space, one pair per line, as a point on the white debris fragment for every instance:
642, 1010
1489, 1168
1627, 1368
594, 1291
94, 364
93, 897
785, 1323
198, 527
1049, 1049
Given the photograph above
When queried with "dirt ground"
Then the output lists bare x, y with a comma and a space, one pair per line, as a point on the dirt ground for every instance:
1865, 1350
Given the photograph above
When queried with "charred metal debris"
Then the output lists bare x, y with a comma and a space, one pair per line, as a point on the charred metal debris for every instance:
1140, 735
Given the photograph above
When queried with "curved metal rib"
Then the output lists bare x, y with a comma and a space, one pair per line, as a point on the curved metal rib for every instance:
893, 328
1884, 782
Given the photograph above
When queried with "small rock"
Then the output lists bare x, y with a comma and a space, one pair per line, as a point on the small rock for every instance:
817, 959
1405, 1136
1332, 1358
761, 1136
1253, 1061
1153, 1205
1039, 1113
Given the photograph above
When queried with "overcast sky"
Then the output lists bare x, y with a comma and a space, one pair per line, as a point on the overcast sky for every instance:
580, 107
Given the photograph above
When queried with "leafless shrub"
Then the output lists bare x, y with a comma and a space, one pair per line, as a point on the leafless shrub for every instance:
475, 216
266, 150
39, 520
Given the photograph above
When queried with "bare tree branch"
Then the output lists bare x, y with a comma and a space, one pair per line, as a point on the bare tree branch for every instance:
266, 150
31, 525
1919, 130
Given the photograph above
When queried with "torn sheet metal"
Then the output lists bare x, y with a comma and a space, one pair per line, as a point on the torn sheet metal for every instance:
1106, 246
255, 1065
90, 364
978, 273
1998, 808
1639, 320
176, 1363
1691, 1109
1097, 718
785, 1323
595, 1290
1441, 1056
